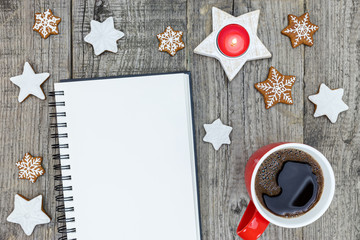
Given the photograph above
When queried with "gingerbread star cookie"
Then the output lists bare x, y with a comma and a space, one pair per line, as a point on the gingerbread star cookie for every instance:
300, 30
276, 88
28, 213
30, 168
46, 24
329, 102
170, 41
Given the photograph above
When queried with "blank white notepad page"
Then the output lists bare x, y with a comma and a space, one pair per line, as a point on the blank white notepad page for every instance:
132, 158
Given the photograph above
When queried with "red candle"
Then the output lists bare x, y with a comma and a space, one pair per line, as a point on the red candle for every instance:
233, 40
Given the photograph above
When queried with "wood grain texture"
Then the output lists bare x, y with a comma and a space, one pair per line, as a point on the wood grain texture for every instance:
334, 59
25, 127
137, 53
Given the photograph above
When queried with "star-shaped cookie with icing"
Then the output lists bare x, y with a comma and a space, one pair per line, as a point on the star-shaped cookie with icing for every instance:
300, 30
329, 102
276, 88
170, 41
30, 83
46, 24
255, 50
30, 168
28, 213
217, 134
103, 36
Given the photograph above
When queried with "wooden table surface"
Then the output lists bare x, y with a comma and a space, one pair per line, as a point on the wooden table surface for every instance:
334, 59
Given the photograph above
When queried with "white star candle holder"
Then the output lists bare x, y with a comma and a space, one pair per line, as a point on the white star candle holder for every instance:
233, 41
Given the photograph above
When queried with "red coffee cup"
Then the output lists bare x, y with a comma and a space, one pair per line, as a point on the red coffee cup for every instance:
256, 217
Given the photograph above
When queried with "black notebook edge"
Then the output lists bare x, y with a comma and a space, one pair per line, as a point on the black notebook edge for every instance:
192, 122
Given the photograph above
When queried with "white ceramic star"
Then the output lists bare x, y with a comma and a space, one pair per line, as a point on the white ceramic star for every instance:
232, 65
28, 213
103, 36
217, 134
329, 102
30, 83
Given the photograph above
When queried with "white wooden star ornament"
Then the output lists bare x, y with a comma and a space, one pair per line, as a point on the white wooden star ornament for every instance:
28, 213
30, 83
329, 102
253, 50
103, 36
217, 134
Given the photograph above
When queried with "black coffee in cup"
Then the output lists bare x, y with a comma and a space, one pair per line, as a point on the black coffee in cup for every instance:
289, 182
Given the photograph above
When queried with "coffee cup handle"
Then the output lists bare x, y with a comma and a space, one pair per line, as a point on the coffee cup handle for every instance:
252, 224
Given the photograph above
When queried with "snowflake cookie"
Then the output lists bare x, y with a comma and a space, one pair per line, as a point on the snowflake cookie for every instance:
30, 168
28, 213
30, 83
276, 88
328, 102
300, 30
217, 134
46, 24
170, 41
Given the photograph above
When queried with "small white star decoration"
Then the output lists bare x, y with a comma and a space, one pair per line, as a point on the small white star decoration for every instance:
28, 213
329, 102
217, 134
30, 83
103, 36
232, 65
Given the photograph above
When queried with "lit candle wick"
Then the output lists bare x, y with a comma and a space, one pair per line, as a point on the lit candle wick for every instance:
233, 42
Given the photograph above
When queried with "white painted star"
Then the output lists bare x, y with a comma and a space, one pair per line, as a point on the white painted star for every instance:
103, 36
28, 213
329, 102
232, 65
217, 134
30, 83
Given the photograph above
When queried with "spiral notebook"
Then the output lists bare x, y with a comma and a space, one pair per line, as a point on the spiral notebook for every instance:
128, 167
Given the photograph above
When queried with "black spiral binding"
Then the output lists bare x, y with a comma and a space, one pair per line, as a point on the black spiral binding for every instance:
60, 188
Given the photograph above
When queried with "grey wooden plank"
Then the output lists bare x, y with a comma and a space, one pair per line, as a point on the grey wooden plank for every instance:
211, 101
222, 193
137, 53
334, 60
25, 127
281, 123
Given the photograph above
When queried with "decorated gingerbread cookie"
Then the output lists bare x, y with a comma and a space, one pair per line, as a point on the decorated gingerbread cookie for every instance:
276, 88
46, 24
30, 168
28, 213
30, 83
300, 30
170, 41
329, 102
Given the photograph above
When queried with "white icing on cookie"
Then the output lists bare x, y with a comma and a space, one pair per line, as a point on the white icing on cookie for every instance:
30, 168
30, 83
170, 41
28, 213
